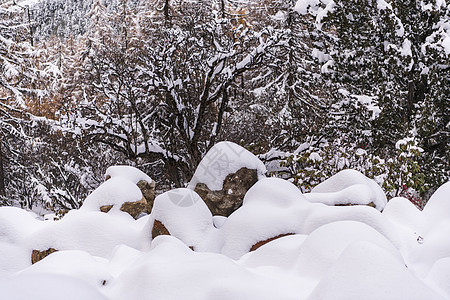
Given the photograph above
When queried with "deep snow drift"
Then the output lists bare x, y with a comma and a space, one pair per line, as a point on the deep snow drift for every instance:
317, 250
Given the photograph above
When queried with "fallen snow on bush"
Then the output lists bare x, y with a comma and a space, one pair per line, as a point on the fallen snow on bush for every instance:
279, 245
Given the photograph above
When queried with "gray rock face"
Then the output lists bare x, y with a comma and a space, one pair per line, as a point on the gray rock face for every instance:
226, 201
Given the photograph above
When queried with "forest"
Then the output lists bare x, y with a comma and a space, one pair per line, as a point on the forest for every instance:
311, 87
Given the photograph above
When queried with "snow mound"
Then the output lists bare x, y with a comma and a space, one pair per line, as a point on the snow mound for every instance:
439, 276
94, 232
265, 204
431, 248
13, 258
275, 207
279, 253
367, 271
47, 287
16, 224
222, 159
322, 247
172, 271
131, 173
274, 191
185, 215
348, 187
437, 208
320, 215
74, 263
115, 191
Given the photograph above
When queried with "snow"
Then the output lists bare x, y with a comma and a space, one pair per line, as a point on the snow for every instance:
222, 159
331, 252
348, 186
131, 173
323, 247
437, 208
185, 215
367, 271
47, 287
94, 232
74, 263
302, 6
439, 276
381, 5
114, 191
370, 103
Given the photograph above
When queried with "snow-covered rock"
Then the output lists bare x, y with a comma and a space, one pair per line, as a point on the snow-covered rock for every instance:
224, 176
115, 195
142, 180
258, 220
94, 232
305, 251
131, 173
348, 187
183, 214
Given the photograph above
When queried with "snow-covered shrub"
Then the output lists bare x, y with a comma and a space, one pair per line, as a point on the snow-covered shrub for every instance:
400, 174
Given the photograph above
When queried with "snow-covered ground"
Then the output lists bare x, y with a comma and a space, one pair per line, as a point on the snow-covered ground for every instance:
322, 251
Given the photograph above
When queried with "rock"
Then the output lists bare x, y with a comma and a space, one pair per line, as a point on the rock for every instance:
106, 208
159, 229
37, 255
134, 209
183, 214
118, 194
224, 175
261, 243
230, 197
148, 191
142, 180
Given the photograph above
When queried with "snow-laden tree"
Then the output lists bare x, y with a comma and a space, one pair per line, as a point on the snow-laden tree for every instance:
159, 91
16, 75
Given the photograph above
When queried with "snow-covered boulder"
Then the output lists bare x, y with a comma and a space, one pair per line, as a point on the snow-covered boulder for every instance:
258, 221
115, 195
224, 176
348, 187
92, 231
142, 180
274, 208
182, 214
